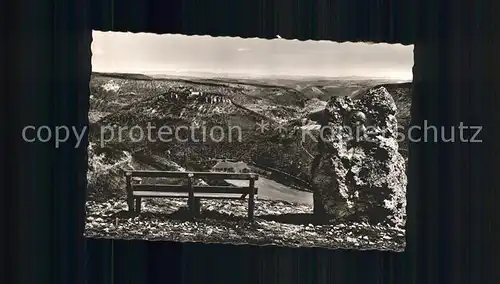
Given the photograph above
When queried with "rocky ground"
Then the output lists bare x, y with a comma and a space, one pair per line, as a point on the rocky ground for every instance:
224, 221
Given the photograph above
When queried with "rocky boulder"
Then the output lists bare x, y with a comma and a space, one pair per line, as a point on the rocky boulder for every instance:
359, 173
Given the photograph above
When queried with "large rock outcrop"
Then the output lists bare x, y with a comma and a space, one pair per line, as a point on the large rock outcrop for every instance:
359, 173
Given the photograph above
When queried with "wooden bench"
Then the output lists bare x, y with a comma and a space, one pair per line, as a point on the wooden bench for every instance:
135, 191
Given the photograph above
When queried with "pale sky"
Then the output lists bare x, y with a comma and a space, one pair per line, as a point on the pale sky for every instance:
180, 54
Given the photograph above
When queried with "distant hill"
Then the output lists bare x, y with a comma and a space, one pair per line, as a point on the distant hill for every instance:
130, 76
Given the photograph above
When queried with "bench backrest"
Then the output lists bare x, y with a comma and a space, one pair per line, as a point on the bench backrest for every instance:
190, 187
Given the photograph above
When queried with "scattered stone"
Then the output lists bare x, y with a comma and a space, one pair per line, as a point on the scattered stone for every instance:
152, 225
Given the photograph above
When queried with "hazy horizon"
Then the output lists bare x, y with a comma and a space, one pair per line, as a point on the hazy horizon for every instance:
152, 54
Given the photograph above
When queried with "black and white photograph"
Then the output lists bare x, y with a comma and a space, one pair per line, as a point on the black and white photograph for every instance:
248, 141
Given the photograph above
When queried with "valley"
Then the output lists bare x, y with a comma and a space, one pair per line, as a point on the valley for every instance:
283, 157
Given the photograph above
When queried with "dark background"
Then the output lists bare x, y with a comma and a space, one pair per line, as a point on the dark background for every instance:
451, 191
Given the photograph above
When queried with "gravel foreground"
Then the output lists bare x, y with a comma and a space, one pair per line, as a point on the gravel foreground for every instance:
224, 221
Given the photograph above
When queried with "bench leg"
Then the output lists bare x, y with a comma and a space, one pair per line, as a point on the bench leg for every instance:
251, 200
130, 203
130, 193
194, 206
197, 207
138, 205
